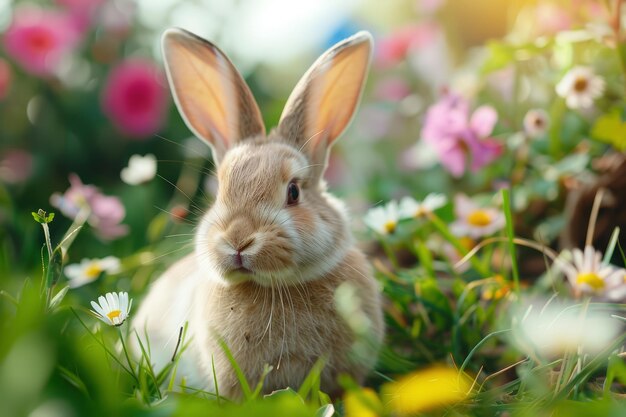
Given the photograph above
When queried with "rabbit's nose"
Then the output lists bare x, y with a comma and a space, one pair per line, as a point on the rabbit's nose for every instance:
244, 245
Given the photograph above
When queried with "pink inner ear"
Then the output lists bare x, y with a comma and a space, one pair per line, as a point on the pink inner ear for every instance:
211, 95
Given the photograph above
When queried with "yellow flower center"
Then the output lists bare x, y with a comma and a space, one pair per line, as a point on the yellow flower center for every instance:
591, 279
479, 218
467, 242
114, 314
390, 226
92, 271
580, 85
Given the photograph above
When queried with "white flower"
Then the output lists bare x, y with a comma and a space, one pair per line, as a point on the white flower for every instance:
410, 208
90, 269
112, 308
587, 274
553, 329
580, 87
140, 169
475, 221
383, 219
536, 123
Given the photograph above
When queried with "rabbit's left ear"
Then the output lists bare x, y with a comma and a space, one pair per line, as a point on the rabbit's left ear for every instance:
323, 102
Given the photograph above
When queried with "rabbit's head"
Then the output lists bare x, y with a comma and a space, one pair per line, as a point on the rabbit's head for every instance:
272, 220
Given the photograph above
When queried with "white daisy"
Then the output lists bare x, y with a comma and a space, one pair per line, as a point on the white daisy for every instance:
580, 87
552, 329
587, 274
140, 169
409, 207
383, 219
536, 123
112, 308
475, 221
90, 269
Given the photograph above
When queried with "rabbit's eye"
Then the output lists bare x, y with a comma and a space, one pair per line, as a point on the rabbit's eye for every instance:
293, 192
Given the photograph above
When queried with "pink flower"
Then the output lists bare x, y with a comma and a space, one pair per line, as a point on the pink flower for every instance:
39, 39
105, 213
392, 89
457, 137
394, 47
551, 18
16, 166
5, 78
82, 12
134, 98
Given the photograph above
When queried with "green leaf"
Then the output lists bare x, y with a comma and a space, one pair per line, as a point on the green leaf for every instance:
325, 411
55, 268
59, 297
611, 128
42, 217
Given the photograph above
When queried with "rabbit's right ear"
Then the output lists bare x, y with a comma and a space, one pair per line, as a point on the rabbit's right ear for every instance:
211, 96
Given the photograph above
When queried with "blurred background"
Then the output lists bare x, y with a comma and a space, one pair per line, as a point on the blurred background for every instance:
82, 89
83, 95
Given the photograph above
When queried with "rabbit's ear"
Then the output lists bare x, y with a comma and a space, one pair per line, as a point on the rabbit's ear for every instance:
210, 94
324, 100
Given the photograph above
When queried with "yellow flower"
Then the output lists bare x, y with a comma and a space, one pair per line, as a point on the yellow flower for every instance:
425, 390
364, 403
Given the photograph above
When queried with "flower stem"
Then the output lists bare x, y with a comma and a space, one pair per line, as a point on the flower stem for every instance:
389, 253
506, 203
130, 364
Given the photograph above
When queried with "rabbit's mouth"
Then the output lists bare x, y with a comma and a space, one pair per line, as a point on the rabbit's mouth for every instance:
241, 270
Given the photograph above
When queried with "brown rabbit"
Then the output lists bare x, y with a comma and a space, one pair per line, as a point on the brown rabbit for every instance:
275, 246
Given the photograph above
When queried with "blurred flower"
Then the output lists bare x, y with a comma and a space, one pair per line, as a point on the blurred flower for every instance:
363, 403
552, 330
117, 16
114, 309
134, 99
551, 18
392, 89
473, 220
580, 87
536, 123
383, 219
588, 275
496, 290
82, 12
457, 137
104, 212
5, 78
90, 269
409, 207
39, 39
140, 169
425, 390
16, 166
393, 48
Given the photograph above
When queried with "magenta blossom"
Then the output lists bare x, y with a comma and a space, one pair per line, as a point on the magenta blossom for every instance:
458, 138
393, 48
5, 79
134, 98
39, 39
104, 213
